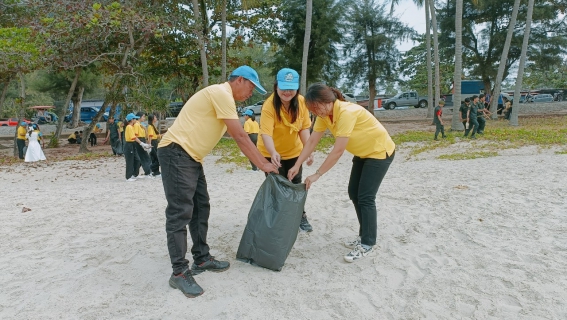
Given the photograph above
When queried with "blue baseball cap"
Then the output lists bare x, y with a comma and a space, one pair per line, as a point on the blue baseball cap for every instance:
23, 123
288, 79
249, 112
250, 74
131, 116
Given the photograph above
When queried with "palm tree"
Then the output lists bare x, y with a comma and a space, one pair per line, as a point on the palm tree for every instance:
503, 58
436, 57
306, 39
201, 41
223, 41
428, 47
455, 121
519, 79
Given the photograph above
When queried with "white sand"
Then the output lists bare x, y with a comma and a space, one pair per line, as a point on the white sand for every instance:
473, 239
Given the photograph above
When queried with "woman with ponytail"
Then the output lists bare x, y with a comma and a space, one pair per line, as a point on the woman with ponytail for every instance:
357, 131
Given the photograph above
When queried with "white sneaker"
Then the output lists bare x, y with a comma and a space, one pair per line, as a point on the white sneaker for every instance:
352, 244
357, 253
132, 178
140, 177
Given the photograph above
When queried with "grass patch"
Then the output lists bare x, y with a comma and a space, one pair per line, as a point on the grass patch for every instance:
561, 152
88, 156
229, 152
325, 144
499, 135
9, 160
468, 156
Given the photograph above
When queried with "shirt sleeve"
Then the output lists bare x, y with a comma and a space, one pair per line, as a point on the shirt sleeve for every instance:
345, 124
267, 120
320, 125
247, 127
223, 103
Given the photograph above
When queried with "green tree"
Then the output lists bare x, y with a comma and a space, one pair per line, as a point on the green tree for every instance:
370, 44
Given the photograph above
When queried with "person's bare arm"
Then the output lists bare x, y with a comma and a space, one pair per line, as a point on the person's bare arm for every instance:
248, 148
304, 137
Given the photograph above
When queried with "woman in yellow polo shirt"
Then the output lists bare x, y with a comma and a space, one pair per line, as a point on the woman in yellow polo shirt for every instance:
284, 128
357, 131
252, 128
153, 140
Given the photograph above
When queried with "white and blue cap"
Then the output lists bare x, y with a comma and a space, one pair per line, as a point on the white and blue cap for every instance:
250, 74
131, 116
288, 79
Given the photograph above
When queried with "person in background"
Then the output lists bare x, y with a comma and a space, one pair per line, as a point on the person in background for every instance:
114, 135
21, 139
73, 137
140, 133
464, 113
202, 122
34, 152
507, 109
252, 128
80, 137
472, 118
438, 120
153, 140
92, 136
482, 112
284, 128
130, 153
357, 131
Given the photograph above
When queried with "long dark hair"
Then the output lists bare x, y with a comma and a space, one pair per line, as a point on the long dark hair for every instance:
320, 93
293, 104
151, 122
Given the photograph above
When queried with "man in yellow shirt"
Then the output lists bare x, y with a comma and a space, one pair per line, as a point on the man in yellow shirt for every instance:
357, 131
21, 139
140, 133
204, 119
252, 128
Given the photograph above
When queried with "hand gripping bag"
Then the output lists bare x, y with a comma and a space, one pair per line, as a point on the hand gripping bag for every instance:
273, 223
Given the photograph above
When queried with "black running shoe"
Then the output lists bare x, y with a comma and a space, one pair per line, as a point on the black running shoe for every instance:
210, 265
304, 225
185, 282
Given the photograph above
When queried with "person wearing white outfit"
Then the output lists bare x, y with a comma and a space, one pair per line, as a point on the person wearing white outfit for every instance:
34, 152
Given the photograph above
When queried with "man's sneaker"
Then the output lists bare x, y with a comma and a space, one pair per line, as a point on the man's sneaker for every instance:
210, 265
140, 177
132, 178
357, 253
156, 174
352, 244
185, 282
304, 224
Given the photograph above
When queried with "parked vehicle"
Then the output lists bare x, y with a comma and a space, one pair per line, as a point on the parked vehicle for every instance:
349, 97
12, 122
542, 97
408, 98
174, 109
87, 114
256, 107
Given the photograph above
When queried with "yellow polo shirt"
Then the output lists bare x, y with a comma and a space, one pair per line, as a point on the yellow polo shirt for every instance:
200, 124
367, 137
251, 126
152, 133
139, 131
286, 137
130, 134
22, 133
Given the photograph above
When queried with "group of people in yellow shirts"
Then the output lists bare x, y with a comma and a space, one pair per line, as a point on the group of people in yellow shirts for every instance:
284, 143
139, 151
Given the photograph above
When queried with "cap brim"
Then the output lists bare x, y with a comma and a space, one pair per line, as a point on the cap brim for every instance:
288, 85
259, 87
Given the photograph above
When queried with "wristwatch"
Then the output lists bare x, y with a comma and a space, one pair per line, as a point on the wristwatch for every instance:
319, 173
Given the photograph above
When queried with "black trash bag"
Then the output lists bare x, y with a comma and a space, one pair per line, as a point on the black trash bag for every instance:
273, 223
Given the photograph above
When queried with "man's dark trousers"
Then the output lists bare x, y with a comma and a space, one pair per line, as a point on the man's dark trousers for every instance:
187, 198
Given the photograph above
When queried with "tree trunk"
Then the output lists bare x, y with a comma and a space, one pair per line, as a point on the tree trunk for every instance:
201, 42
516, 104
3, 95
306, 40
456, 124
87, 131
77, 107
503, 58
223, 27
371, 93
55, 139
436, 54
428, 44
21, 111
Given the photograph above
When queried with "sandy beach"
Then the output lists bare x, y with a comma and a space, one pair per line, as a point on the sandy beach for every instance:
470, 239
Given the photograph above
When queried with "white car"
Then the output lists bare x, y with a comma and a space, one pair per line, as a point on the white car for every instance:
256, 108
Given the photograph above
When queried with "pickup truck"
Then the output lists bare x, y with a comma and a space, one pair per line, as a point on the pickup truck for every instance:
403, 99
12, 122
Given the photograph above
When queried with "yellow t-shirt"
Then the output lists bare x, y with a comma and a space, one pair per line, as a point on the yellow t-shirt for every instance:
367, 137
121, 126
251, 126
285, 134
72, 136
130, 135
22, 133
200, 124
152, 133
139, 131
